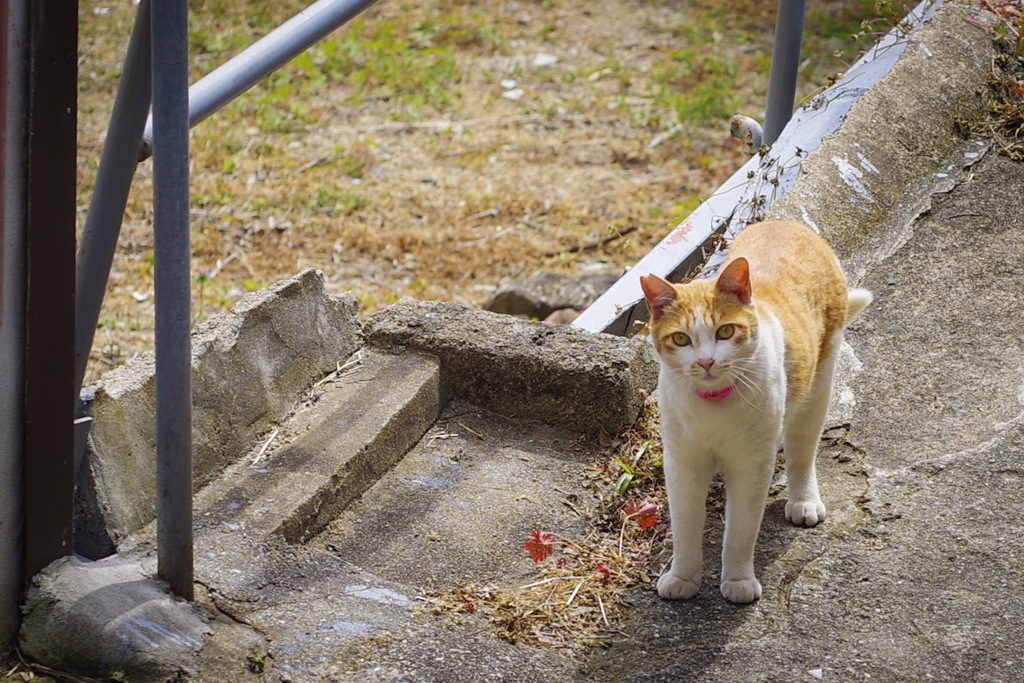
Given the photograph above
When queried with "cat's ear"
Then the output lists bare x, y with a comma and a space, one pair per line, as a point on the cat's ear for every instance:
735, 280
659, 293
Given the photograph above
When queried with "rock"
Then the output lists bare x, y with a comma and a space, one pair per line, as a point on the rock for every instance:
108, 617
545, 292
563, 316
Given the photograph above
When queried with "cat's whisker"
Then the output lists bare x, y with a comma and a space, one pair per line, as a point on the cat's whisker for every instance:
753, 399
749, 392
750, 379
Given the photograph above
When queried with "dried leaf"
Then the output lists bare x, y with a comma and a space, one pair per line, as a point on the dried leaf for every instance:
540, 545
645, 514
606, 573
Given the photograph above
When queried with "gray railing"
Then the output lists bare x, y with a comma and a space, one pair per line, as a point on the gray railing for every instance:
155, 73
789, 33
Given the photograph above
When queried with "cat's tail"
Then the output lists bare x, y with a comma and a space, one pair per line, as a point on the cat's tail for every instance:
857, 300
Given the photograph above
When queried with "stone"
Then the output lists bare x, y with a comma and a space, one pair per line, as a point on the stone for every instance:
109, 617
544, 293
554, 374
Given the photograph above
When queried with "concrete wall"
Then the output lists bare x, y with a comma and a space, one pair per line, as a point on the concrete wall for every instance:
12, 327
250, 367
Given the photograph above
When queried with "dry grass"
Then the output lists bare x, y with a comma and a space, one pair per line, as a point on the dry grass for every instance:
1005, 124
397, 158
580, 595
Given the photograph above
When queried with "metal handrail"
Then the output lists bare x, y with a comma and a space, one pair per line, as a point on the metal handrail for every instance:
110, 193
789, 32
262, 58
172, 246
155, 71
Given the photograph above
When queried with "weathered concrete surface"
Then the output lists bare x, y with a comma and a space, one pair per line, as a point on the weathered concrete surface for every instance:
249, 368
949, 294
873, 177
366, 420
147, 634
549, 373
342, 607
436, 517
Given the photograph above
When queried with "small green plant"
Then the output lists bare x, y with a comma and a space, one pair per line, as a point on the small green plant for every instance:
210, 297
378, 59
202, 280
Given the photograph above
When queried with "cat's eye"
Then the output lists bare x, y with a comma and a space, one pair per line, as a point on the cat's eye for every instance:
726, 331
680, 339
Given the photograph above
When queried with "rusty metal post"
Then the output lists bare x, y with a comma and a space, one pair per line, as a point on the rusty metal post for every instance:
12, 326
50, 170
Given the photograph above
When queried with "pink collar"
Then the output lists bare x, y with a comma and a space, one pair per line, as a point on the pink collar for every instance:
716, 395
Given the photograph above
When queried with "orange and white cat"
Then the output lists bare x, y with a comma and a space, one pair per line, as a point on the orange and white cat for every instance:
746, 358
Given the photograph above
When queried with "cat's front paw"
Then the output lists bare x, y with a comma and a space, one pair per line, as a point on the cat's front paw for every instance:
805, 512
672, 587
741, 591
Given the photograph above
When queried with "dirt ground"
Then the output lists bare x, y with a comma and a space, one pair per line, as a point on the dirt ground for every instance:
441, 149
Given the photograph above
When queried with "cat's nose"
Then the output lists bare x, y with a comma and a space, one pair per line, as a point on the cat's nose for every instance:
706, 363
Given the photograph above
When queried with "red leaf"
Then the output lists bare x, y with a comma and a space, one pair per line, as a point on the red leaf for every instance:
645, 514
540, 545
606, 573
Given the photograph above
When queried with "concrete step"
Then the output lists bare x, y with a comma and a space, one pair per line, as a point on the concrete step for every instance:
460, 505
249, 368
456, 509
365, 419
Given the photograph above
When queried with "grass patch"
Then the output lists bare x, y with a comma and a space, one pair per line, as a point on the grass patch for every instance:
389, 157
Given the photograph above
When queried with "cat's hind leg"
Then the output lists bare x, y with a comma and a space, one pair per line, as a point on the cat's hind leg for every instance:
804, 506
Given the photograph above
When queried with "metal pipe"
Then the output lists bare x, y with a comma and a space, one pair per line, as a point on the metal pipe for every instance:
172, 249
110, 195
49, 123
13, 278
789, 30
261, 58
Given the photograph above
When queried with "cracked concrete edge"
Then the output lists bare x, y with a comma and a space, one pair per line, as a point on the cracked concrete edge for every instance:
878, 500
249, 367
899, 144
111, 617
555, 374
147, 635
